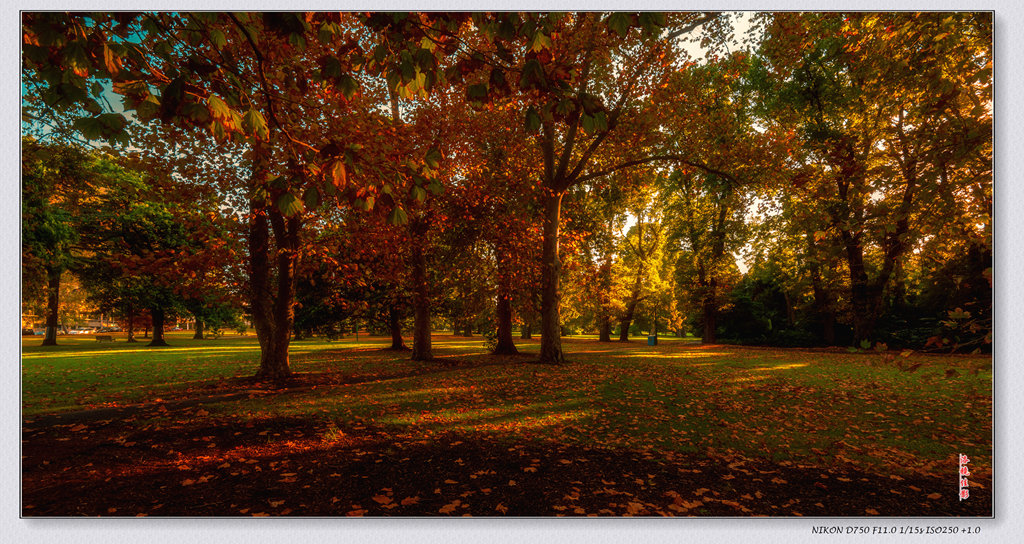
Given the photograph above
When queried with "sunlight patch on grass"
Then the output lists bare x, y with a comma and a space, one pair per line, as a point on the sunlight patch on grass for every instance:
142, 351
784, 367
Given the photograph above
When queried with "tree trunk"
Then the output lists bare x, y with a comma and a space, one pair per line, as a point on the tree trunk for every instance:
158, 327
626, 321
145, 331
272, 312
199, 329
467, 329
823, 308
790, 311
395, 325
421, 349
624, 324
52, 305
605, 328
634, 298
526, 331
551, 268
709, 312
604, 320
131, 324
505, 345
274, 363
860, 291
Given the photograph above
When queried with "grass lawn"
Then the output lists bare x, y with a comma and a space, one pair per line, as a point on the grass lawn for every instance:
802, 409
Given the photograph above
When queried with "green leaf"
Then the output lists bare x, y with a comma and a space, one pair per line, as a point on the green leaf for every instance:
348, 86
476, 92
433, 157
255, 124
398, 217
311, 198
619, 23
289, 205
90, 128
330, 68
419, 193
588, 123
540, 41
408, 70
327, 31
532, 119
218, 108
218, 39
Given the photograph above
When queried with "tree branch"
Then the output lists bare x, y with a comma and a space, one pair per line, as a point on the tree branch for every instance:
664, 157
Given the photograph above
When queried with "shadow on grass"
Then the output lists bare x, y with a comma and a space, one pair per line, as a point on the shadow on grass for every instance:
302, 466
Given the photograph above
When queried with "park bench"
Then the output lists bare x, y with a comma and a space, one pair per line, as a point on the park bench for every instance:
104, 338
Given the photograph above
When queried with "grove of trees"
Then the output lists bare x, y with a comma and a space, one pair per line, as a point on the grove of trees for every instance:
799, 179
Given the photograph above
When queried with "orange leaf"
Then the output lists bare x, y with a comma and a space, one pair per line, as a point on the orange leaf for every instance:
449, 508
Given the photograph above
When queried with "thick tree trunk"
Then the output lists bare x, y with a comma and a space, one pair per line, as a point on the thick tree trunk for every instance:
551, 268
626, 321
604, 320
199, 329
822, 304
634, 298
272, 310
604, 328
131, 324
860, 290
467, 329
52, 305
421, 348
709, 313
624, 325
823, 308
395, 325
790, 311
158, 327
503, 312
274, 362
526, 331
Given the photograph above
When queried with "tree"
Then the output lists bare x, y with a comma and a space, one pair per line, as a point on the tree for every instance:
894, 111
57, 180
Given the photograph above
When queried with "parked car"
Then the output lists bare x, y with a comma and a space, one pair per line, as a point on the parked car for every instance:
27, 332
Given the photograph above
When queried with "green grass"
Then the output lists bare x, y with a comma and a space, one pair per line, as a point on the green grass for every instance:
784, 405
